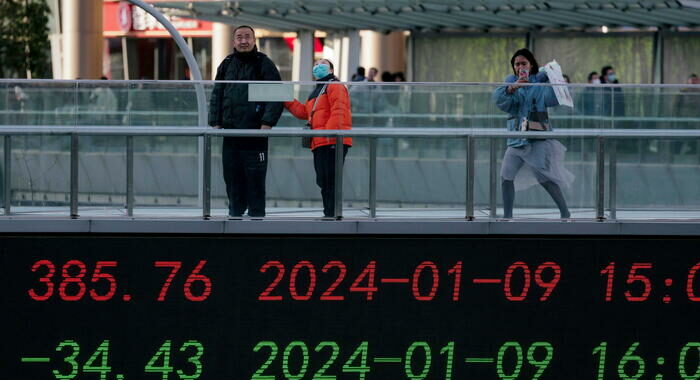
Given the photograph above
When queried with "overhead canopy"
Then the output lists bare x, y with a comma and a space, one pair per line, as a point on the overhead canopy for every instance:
294, 15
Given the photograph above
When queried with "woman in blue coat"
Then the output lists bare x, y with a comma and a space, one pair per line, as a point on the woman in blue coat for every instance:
530, 161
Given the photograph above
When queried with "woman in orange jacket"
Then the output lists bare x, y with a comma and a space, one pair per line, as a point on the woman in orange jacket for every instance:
328, 107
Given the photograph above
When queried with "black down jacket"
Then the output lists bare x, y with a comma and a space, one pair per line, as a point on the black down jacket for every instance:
229, 106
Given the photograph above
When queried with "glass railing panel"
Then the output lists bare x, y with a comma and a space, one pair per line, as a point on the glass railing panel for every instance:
41, 175
102, 175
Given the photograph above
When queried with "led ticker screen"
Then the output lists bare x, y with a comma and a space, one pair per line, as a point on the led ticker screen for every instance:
361, 308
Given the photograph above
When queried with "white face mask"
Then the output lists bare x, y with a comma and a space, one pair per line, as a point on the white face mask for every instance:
595, 81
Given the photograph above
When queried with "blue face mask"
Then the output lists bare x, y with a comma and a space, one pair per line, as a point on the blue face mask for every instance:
321, 70
612, 78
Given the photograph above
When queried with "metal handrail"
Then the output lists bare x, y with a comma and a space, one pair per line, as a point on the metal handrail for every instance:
602, 136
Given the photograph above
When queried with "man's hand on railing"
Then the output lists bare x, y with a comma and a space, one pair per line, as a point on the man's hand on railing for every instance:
217, 127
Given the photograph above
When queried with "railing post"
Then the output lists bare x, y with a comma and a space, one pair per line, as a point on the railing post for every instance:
612, 177
338, 177
74, 167
372, 177
130, 175
7, 186
470, 178
600, 179
206, 176
493, 176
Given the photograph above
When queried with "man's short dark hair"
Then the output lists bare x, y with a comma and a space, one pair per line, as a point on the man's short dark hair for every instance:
361, 71
693, 76
590, 76
244, 27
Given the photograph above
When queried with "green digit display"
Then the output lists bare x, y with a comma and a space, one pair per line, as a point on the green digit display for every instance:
195, 359
683, 357
449, 349
304, 360
601, 350
258, 375
69, 359
362, 368
409, 356
165, 369
629, 357
540, 364
518, 360
335, 350
103, 368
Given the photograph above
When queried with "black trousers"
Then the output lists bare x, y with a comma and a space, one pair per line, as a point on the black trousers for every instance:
324, 163
244, 174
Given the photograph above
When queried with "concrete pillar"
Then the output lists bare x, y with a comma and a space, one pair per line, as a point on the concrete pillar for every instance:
350, 55
82, 39
386, 52
221, 44
303, 58
56, 38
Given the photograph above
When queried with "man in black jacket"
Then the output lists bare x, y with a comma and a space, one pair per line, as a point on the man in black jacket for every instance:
244, 158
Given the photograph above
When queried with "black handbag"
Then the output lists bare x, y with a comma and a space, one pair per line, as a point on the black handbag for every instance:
306, 140
536, 121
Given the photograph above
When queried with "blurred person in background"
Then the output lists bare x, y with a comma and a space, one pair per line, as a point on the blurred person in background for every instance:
327, 107
687, 105
372, 74
244, 159
592, 96
359, 76
530, 161
612, 97
105, 103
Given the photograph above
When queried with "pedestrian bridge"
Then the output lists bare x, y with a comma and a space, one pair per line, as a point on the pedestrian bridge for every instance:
132, 150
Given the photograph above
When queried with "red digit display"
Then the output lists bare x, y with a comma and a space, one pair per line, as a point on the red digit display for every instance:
548, 285
265, 295
195, 276
98, 275
175, 265
342, 271
690, 289
509, 277
69, 279
46, 279
368, 273
416, 279
633, 277
293, 281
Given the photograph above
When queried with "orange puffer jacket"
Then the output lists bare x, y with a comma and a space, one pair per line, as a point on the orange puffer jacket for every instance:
332, 112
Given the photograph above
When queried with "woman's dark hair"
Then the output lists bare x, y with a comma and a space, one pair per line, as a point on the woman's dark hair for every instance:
529, 56
604, 73
387, 77
329, 63
590, 76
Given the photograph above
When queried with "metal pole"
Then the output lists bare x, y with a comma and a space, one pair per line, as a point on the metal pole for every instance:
187, 54
600, 179
74, 176
338, 178
470, 178
130, 175
196, 75
492, 178
206, 176
612, 177
7, 186
373, 177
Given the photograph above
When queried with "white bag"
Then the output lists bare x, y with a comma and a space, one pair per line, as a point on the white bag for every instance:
555, 76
